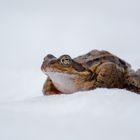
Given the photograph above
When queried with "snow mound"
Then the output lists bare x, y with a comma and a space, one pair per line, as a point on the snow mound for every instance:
99, 114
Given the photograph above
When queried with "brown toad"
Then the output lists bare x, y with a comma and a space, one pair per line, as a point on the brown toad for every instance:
95, 69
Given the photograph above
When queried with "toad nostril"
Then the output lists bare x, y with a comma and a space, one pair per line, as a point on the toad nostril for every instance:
52, 62
49, 56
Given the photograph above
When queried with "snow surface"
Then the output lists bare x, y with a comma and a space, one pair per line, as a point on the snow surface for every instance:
31, 29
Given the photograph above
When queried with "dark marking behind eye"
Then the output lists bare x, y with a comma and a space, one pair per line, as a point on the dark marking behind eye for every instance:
92, 62
78, 66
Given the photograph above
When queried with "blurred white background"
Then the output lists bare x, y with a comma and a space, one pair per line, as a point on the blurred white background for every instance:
30, 29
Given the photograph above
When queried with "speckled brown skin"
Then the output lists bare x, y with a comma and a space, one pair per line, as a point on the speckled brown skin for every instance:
93, 70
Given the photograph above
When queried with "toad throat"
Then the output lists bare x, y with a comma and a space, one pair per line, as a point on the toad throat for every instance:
63, 82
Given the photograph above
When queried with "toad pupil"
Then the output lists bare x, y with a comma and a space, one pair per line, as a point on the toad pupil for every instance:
65, 61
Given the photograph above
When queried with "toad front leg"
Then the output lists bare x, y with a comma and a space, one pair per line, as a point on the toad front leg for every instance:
49, 88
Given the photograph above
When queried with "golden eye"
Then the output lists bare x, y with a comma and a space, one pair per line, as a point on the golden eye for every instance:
66, 60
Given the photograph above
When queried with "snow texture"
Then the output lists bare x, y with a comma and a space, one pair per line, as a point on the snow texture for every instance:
31, 29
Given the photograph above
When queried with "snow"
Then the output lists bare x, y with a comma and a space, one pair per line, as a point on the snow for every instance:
31, 29
102, 114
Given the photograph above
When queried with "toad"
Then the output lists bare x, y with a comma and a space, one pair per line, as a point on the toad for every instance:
96, 69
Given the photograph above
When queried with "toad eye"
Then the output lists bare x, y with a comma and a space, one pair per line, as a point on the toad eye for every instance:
66, 60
